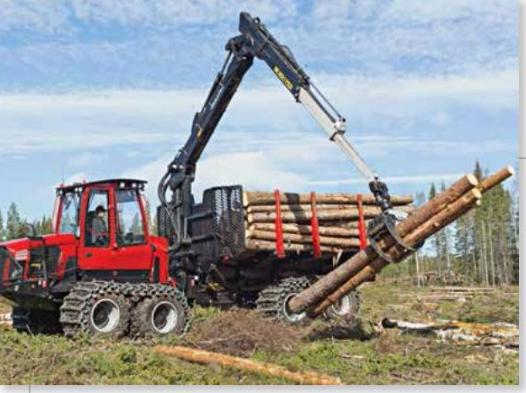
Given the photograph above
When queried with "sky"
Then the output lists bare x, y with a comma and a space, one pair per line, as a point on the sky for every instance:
101, 89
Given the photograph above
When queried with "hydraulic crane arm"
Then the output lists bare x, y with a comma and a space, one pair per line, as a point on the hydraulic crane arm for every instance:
282, 62
255, 41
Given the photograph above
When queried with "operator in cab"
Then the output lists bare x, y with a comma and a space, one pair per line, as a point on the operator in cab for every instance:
98, 227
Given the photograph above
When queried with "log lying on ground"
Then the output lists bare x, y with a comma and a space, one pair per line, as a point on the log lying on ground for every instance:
307, 229
420, 232
498, 333
206, 357
267, 198
5, 319
305, 239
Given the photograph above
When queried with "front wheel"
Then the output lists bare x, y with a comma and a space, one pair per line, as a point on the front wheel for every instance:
95, 308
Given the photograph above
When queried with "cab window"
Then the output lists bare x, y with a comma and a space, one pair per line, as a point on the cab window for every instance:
97, 234
69, 214
130, 228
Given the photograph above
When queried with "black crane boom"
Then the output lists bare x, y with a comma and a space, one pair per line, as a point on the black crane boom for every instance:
255, 41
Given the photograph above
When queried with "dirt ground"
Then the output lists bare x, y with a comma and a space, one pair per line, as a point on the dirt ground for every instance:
358, 354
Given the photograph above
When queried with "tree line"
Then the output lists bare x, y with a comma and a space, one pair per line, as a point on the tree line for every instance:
480, 248
14, 226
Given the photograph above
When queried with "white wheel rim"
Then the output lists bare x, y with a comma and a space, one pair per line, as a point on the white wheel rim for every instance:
343, 306
292, 317
105, 315
164, 317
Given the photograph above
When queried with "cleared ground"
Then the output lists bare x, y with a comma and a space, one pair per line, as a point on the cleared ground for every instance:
365, 358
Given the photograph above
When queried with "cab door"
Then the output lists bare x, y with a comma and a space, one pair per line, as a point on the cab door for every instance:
114, 240
95, 249
131, 250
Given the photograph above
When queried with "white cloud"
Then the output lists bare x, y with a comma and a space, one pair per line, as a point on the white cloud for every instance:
85, 159
134, 43
263, 118
50, 16
413, 179
78, 177
253, 170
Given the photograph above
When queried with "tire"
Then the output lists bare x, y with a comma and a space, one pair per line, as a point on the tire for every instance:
34, 321
95, 309
165, 314
346, 309
272, 301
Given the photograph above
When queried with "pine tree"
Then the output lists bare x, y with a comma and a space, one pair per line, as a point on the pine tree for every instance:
14, 223
443, 240
435, 240
135, 226
2, 229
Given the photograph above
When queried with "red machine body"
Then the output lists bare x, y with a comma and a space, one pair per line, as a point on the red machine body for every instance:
43, 269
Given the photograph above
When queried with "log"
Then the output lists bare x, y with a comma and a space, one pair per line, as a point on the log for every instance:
307, 208
256, 244
445, 217
496, 178
424, 231
330, 282
307, 239
286, 207
307, 229
273, 370
305, 215
267, 198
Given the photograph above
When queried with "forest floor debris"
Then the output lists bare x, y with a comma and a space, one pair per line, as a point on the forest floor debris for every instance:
241, 333
501, 334
356, 355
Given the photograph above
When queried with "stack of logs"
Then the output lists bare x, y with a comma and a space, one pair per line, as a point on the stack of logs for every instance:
425, 221
338, 216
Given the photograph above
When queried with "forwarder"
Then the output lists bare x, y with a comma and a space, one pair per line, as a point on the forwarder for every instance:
126, 281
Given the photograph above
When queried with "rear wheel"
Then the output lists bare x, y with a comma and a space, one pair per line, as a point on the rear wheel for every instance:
161, 315
346, 308
272, 301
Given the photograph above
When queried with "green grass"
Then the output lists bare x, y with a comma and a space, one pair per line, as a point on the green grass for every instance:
390, 358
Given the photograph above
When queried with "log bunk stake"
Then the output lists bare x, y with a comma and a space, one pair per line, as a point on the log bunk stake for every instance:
287, 223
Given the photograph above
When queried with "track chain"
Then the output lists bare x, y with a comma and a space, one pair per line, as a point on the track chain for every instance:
76, 305
271, 300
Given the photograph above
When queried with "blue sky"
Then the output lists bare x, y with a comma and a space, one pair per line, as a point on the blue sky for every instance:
97, 89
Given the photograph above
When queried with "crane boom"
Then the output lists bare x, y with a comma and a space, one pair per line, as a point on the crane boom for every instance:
255, 41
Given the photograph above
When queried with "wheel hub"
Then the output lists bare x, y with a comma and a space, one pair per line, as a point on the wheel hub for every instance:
105, 315
164, 317
343, 306
289, 315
